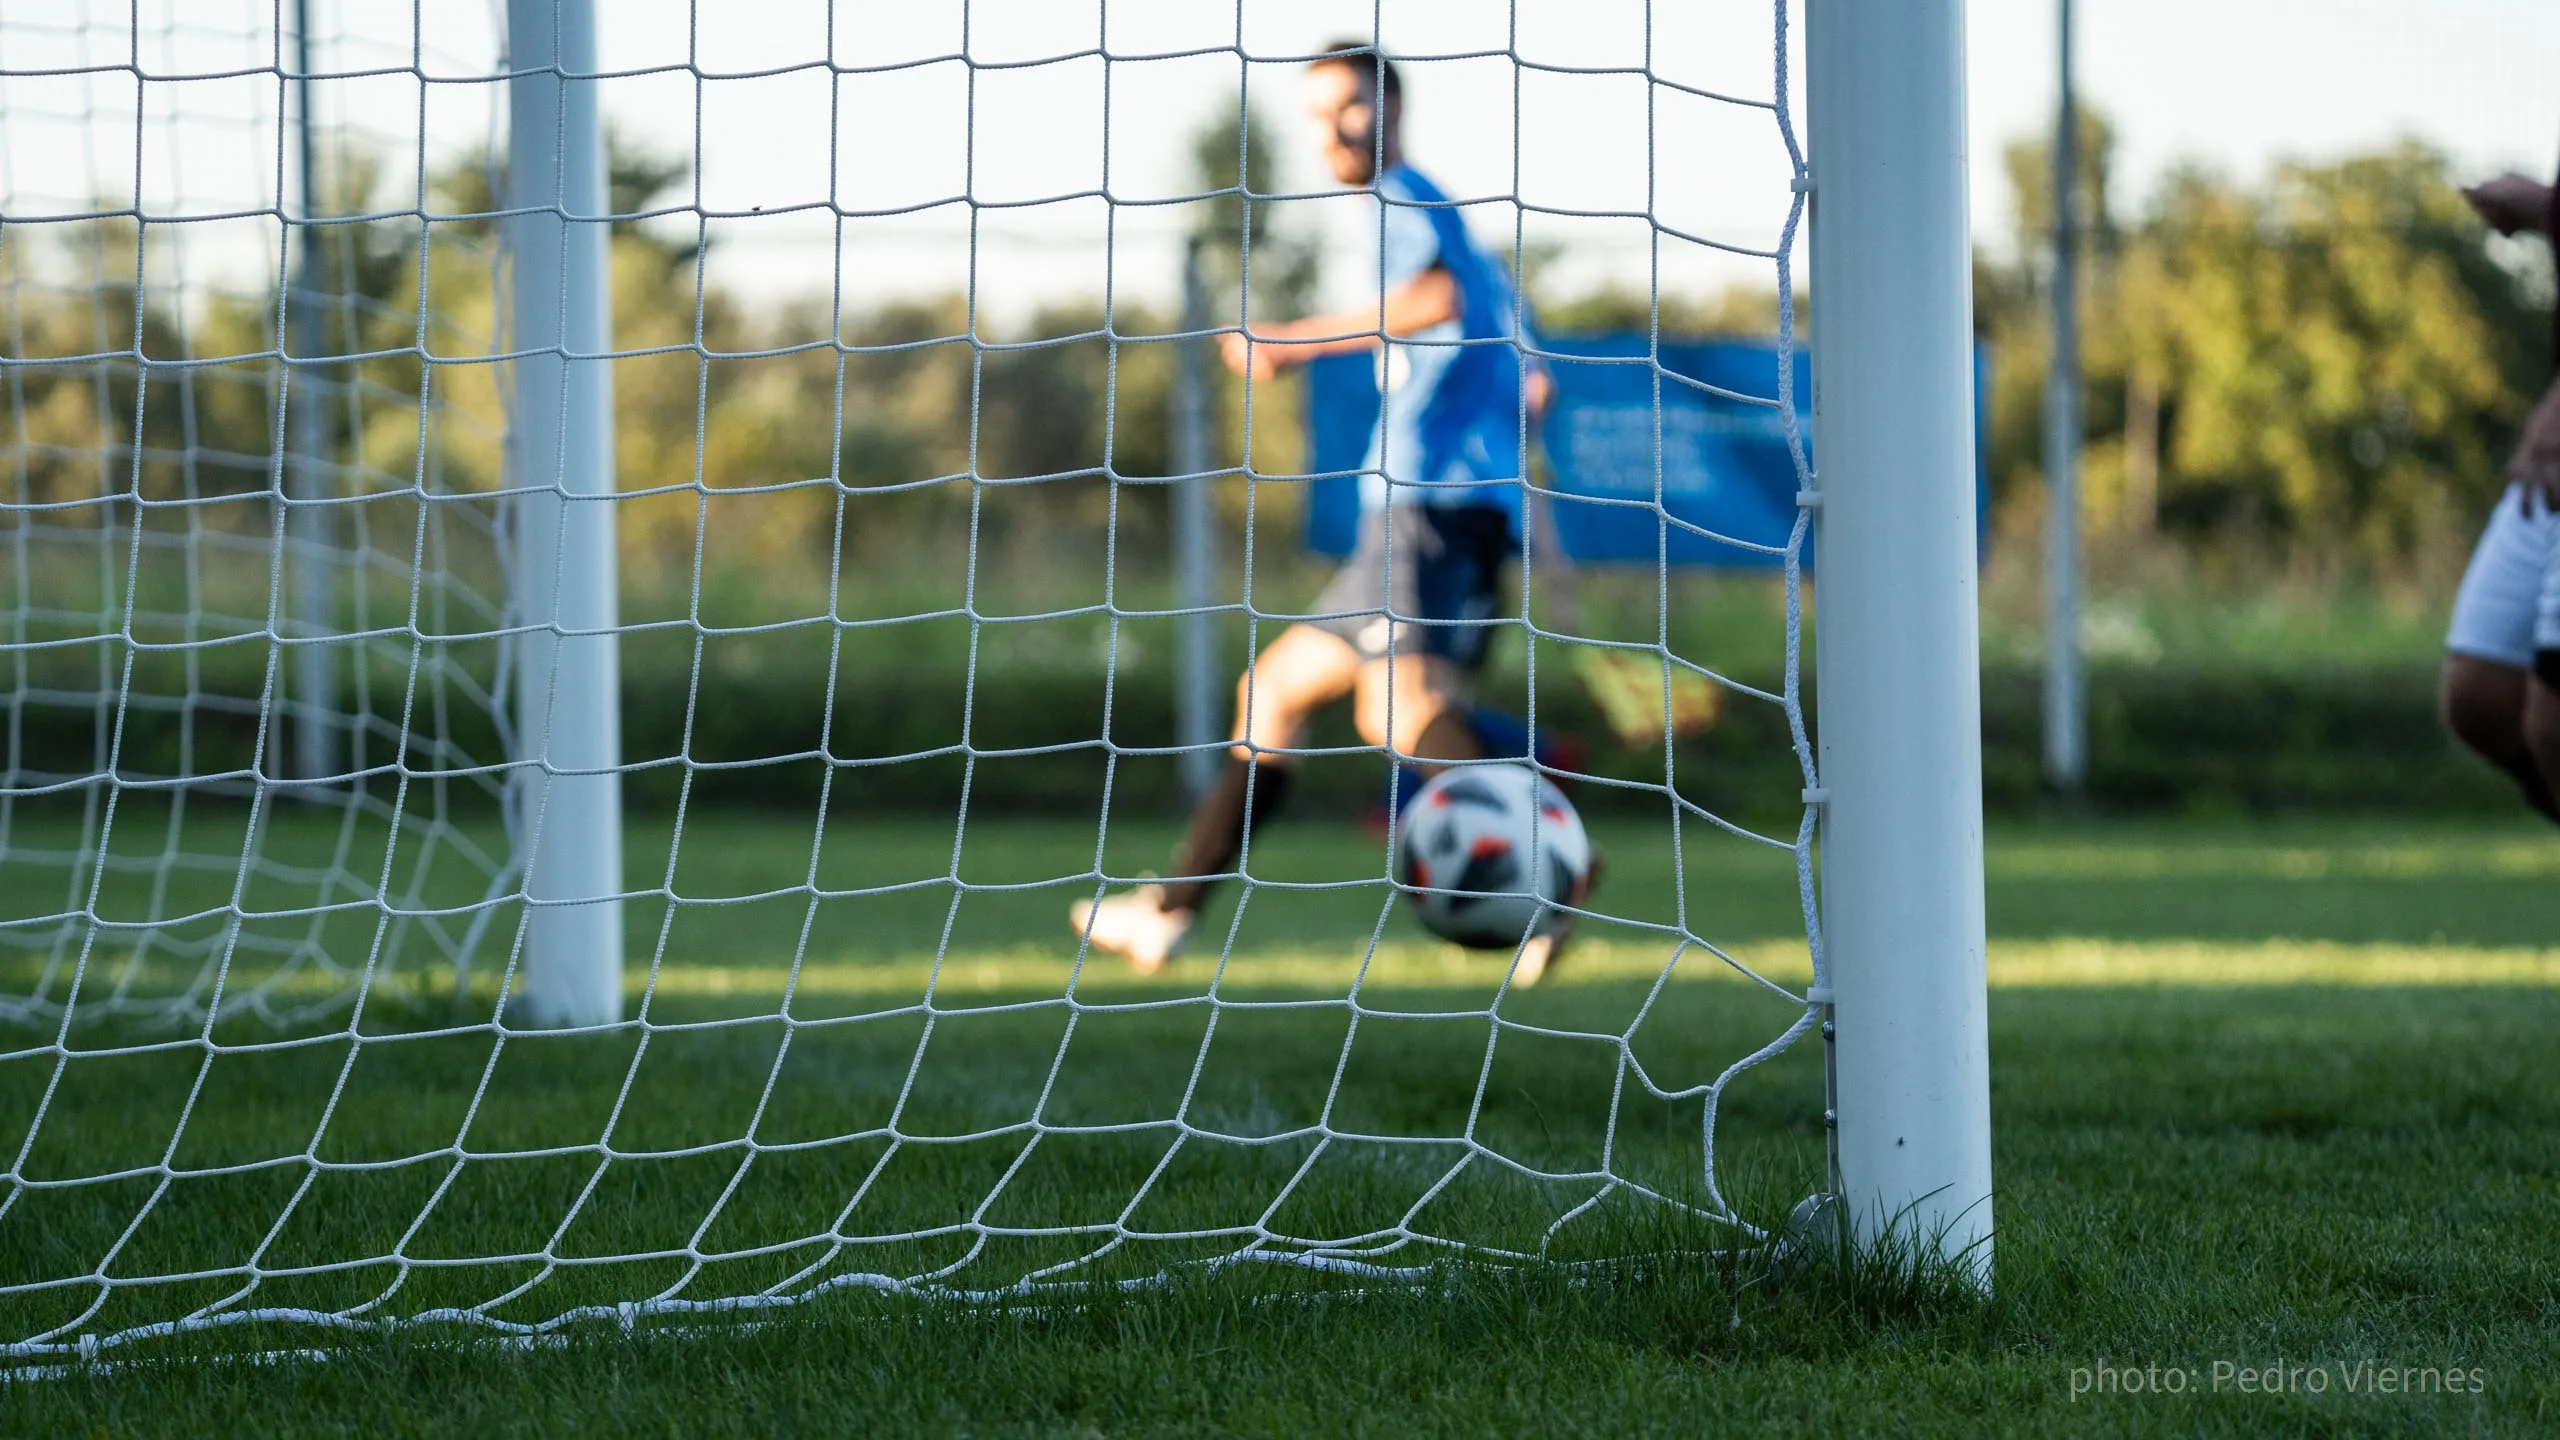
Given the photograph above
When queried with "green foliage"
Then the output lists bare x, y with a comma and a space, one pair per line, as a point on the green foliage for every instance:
81, 422
2327, 368
2029, 166
2330, 366
1233, 157
868, 432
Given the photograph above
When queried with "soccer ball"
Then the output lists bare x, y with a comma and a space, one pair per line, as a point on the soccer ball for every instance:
1486, 850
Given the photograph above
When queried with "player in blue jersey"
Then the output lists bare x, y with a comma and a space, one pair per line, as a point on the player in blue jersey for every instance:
1403, 626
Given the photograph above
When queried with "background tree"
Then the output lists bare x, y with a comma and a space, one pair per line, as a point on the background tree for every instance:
2327, 367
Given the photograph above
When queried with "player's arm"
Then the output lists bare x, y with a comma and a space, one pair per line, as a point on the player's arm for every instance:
1428, 299
2512, 204
2535, 468
2517, 204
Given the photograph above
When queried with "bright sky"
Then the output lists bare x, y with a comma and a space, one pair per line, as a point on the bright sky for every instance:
2234, 82
2242, 82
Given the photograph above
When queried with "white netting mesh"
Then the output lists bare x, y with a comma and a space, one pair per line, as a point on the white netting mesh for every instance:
151, 569
257, 886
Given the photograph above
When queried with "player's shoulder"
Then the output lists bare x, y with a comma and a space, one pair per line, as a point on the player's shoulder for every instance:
1402, 181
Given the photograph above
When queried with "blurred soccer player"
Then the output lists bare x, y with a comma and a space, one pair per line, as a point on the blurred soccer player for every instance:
2502, 664
1441, 508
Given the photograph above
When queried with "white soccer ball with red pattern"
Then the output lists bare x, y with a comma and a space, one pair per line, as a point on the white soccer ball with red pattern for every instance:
1487, 851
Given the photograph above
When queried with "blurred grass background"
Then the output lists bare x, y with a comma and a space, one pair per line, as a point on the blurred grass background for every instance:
2309, 698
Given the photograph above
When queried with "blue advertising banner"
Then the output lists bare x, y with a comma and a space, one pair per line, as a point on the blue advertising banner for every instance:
1724, 466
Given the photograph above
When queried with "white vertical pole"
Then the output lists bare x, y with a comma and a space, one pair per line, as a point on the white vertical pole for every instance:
2066, 746
310, 525
560, 456
1195, 695
1900, 723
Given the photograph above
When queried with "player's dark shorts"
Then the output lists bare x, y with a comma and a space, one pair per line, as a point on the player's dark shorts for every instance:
1441, 579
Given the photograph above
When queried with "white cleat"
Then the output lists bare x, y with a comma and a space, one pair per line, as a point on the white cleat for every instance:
1134, 926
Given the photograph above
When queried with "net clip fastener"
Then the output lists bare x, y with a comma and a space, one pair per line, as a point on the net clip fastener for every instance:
1801, 184
1816, 795
1808, 499
1817, 994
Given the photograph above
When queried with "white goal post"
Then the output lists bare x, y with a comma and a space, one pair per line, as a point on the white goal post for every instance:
337, 987
568, 774
1899, 653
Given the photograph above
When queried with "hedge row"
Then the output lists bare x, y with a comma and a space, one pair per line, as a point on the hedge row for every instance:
2161, 739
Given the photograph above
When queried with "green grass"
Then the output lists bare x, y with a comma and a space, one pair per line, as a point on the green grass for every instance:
895, 1104
2260, 1093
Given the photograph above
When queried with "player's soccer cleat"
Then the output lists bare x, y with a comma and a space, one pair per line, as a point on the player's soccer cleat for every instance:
1134, 926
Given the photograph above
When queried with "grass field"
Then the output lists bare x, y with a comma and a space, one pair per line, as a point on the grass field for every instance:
2280, 1094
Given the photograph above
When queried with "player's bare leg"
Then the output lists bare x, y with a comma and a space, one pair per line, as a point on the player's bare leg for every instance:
1539, 953
2489, 707
1415, 705
1298, 673
2542, 732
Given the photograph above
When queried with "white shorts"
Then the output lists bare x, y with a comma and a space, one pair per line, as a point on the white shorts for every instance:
2509, 603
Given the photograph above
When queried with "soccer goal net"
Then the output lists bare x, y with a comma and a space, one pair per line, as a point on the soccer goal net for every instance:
585, 589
